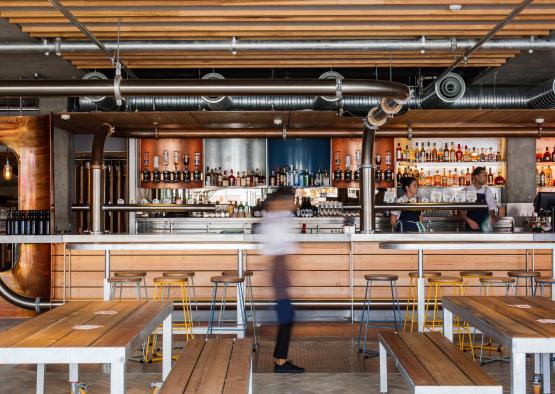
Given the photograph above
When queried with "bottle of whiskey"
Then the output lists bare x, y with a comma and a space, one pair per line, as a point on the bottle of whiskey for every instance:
388, 174
197, 175
231, 178
337, 174
166, 176
547, 155
452, 153
467, 177
146, 176
378, 175
348, 172
444, 179
548, 176
186, 173
208, 177
483, 156
459, 153
446, 153
434, 154
542, 177
399, 153
500, 181
490, 178
474, 156
156, 176
466, 154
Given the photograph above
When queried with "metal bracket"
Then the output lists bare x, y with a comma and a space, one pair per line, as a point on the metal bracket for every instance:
58, 46
532, 39
37, 304
234, 45
454, 43
284, 132
45, 45
117, 84
423, 49
338, 88
409, 131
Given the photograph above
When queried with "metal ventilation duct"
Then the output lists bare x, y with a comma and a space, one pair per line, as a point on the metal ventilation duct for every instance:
95, 103
542, 96
327, 102
444, 91
220, 103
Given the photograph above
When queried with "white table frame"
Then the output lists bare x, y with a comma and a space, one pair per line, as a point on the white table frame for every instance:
115, 356
519, 347
241, 248
422, 246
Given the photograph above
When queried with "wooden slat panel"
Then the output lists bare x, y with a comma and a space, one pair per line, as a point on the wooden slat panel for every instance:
182, 370
237, 379
215, 357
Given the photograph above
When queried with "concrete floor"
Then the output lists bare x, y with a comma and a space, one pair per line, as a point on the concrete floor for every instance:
331, 361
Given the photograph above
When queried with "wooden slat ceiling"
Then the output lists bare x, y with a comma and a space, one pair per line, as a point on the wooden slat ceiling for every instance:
281, 19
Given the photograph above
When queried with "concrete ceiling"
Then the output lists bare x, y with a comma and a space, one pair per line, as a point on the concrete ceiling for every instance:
15, 66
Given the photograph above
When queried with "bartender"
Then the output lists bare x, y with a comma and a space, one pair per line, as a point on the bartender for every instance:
480, 219
407, 221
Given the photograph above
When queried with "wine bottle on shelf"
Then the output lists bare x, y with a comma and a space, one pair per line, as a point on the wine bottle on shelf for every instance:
547, 155
459, 153
231, 178
467, 177
490, 178
433, 156
399, 153
446, 153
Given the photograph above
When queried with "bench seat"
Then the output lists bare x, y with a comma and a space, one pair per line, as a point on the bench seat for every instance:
222, 366
432, 364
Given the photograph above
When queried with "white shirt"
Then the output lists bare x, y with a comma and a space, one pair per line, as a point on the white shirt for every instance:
278, 230
490, 200
401, 200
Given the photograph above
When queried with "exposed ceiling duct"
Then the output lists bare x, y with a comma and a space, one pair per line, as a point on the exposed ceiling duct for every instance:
219, 103
445, 91
234, 45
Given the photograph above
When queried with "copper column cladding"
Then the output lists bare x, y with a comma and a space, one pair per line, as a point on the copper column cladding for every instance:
96, 188
367, 181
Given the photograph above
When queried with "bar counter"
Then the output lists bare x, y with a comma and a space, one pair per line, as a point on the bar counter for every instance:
327, 269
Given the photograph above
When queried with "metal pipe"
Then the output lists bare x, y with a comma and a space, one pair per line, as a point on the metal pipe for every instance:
367, 186
139, 208
446, 90
34, 304
203, 87
58, 46
96, 187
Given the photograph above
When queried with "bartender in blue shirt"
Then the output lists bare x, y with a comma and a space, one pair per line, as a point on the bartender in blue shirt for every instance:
480, 219
407, 221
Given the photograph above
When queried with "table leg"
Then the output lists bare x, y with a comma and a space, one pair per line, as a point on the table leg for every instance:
518, 373
546, 371
166, 347
420, 297
250, 378
73, 372
383, 369
240, 322
117, 378
448, 324
106, 275
40, 378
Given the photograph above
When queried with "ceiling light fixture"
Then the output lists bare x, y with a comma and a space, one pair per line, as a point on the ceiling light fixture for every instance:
455, 7
7, 171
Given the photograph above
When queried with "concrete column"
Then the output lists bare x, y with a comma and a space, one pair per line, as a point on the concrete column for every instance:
63, 152
521, 170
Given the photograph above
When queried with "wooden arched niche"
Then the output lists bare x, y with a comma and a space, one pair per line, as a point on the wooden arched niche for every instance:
29, 138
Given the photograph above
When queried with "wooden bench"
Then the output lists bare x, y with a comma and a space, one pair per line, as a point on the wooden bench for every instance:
432, 364
212, 366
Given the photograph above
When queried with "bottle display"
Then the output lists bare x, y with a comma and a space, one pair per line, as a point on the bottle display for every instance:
28, 222
448, 154
146, 175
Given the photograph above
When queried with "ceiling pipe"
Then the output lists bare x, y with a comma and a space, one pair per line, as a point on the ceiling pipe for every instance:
204, 87
234, 45
96, 177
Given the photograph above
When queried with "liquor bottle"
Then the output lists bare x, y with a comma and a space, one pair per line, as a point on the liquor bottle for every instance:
547, 155
539, 156
455, 180
357, 175
146, 176
406, 154
452, 153
459, 153
197, 175
429, 179
156, 177
422, 154
433, 156
466, 154
387, 158
422, 177
498, 156
446, 153
272, 179
437, 179
399, 176
440, 155
208, 177
553, 154
542, 177
219, 177
444, 179
388, 174
416, 154
482, 155
474, 156
428, 153
500, 181
548, 176
231, 178
491, 156
462, 179
449, 179
166, 176
186, 173
537, 177
399, 153
490, 178
225, 179
467, 177
338, 174
378, 175
348, 172
326, 179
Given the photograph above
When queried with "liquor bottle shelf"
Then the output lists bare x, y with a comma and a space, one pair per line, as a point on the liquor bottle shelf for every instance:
453, 164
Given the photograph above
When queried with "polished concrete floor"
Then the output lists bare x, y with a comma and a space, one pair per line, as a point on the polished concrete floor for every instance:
326, 350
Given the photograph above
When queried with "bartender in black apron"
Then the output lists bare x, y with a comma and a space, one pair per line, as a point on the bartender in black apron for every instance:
476, 219
407, 221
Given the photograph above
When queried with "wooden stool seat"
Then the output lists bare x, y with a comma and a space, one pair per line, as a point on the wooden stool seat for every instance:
125, 279
234, 273
475, 274
426, 274
524, 274
130, 273
497, 279
545, 280
178, 274
166, 279
384, 277
445, 279
227, 279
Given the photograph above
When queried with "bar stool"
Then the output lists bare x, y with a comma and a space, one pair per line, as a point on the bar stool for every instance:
163, 285
542, 282
435, 294
365, 318
142, 274
247, 274
121, 281
225, 282
190, 275
412, 296
526, 275
468, 275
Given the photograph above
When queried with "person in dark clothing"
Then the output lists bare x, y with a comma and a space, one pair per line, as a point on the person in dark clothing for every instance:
278, 243
407, 221
483, 218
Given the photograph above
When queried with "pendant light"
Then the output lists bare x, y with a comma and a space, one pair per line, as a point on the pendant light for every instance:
7, 171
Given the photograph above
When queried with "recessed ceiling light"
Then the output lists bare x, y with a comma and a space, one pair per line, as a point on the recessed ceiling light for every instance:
455, 7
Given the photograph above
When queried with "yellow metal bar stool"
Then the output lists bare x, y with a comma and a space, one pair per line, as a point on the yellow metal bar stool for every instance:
411, 298
190, 275
526, 276
122, 281
162, 291
247, 274
142, 274
222, 325
436, 291
487, 288
541, 282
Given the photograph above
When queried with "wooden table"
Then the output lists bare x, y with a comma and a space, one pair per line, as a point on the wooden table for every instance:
515, 328
55, 338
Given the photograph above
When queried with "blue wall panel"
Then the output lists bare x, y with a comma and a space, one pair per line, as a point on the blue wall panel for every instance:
311, 154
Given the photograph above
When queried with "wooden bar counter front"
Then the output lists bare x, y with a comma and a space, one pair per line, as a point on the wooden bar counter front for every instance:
320, 271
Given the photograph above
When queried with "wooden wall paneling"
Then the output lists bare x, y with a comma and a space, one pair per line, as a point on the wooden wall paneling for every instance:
29, 137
